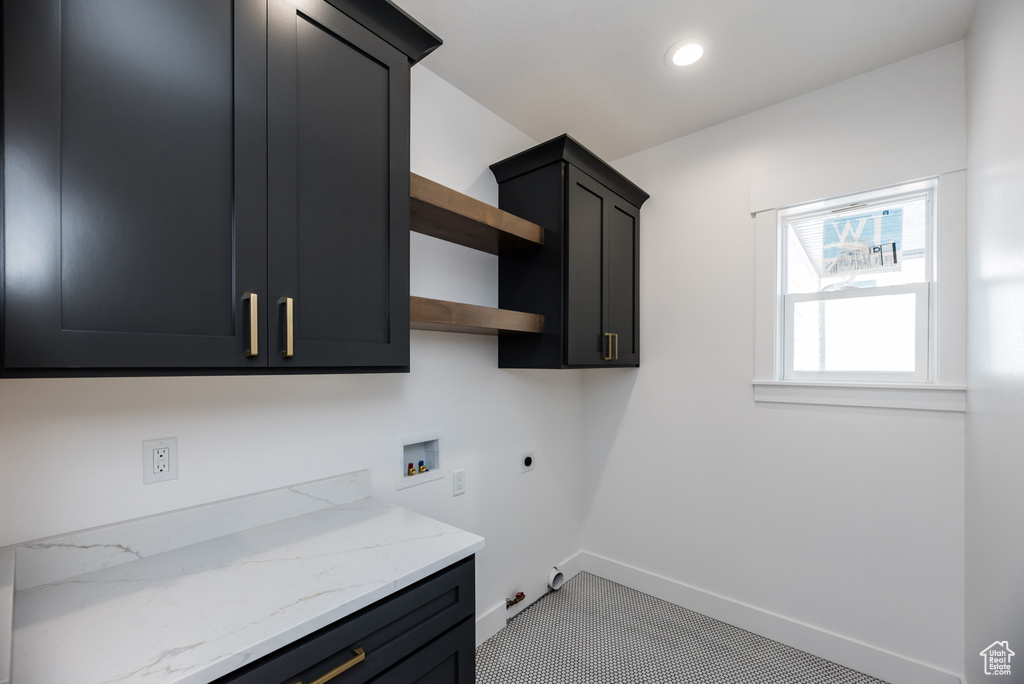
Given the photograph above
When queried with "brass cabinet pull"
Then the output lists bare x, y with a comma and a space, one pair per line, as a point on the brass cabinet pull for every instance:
359, 657
254, 328
289, 326
613, 343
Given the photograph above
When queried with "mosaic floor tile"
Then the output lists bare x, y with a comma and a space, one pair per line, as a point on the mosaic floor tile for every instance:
593, 631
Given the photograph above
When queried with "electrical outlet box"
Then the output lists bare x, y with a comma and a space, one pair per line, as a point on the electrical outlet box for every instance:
458, 482
159, 460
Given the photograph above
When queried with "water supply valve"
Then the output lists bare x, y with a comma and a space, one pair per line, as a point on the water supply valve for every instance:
511, 602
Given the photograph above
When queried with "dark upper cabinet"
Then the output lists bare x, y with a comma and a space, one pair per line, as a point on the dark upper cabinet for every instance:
166, 161
339, 189
585, 279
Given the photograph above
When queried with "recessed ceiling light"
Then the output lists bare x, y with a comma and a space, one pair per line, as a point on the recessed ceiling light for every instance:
684, 53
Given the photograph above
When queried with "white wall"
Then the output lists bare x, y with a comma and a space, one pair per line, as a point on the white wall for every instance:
70, 449
995, 418
847, 520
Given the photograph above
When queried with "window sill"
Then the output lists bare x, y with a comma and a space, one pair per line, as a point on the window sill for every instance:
873, 395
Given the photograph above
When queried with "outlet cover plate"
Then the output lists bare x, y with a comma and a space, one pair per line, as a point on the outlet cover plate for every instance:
149, 468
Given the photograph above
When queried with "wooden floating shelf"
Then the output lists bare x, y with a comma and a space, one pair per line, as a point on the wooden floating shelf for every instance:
437, 314
443, 213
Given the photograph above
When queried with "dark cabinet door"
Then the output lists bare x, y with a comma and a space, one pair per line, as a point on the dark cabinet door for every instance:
621, 282
338, 190
602, 287
135, 176
449, 659
585, 339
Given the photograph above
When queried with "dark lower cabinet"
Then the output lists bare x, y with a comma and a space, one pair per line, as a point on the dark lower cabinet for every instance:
449, 659
205, 185
422, 634
585, 279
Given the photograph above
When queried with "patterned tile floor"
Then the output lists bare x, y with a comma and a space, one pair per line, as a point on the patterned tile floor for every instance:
593, 631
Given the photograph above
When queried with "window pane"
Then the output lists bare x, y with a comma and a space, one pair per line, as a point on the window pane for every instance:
874, 333
860, 245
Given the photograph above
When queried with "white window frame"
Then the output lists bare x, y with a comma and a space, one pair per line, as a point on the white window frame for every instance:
864, 201
943, 385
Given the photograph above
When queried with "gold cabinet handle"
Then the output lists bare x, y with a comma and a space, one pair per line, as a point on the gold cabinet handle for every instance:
289, 327
254, 328
609, 336
616, 346
359, 657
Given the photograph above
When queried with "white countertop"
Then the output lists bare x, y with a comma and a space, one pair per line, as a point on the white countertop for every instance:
198, 611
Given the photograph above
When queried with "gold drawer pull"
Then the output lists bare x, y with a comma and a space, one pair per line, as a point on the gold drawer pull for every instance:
254, 328
609, 357
616, 346
289, 319
359, 657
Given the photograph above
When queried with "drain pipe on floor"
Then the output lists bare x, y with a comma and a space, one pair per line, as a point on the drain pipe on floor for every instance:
555, 579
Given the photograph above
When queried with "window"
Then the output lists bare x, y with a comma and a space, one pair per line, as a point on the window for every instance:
855, 287
861, 330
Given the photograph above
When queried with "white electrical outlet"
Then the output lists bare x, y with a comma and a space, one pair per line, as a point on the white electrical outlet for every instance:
159, 460
527, 462
458, 482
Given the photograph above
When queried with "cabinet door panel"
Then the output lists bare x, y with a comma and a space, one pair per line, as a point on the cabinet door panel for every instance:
339, 206
449, 659
621, 296
133, 220
586, 215
343, 187
123, 177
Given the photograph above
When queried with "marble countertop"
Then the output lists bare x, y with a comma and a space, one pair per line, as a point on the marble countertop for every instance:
157, 610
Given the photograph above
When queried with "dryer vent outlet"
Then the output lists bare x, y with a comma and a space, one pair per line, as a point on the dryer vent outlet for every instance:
529, 460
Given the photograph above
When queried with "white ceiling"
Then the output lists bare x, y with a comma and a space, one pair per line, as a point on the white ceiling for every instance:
595, 68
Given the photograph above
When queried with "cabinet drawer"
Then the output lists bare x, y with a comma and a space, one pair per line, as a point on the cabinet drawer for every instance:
387, 632
449, 659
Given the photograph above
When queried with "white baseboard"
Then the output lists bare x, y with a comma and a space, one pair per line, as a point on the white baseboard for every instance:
572, 565
492, 621
856, 655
